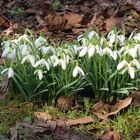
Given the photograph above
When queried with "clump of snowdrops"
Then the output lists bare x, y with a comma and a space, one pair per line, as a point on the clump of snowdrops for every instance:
40, 70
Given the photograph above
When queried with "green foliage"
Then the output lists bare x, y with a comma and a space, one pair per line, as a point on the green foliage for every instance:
16, 11
56, 4
45, 70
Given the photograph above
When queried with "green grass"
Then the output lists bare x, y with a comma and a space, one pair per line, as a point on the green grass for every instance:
12, 111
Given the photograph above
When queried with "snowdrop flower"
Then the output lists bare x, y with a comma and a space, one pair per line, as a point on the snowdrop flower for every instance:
132, 52
77, 70
91, 50
91, 35
63, 64
79, 38
6, 51
40, 74
53, 60
42, 62
83, 52
121, 40
39, 42
122, 64
25, 50
131, 71
111, 36
135, 63
23, 37
120, 51
137, 37
29, 58
107, 50
99, 50
10, 72
114, 55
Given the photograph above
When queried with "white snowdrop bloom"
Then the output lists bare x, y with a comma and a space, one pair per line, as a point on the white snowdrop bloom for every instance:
132, 52
42, 62
131, 71
99, 50
29, 58
135, 63
77, 70
12, 55
111, 36
53, 60
91, 34
23, 37
114, 54
137, 37
120, 51
107, 50
40, 74
91, 50
79, 38
121, 40
25, 50
10, 72
6, 51
63, 64
39, 42
122, 64
83, 52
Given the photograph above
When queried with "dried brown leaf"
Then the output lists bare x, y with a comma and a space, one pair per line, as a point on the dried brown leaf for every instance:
112, 135
65, 102
73, 19
85, 120
114, 22
42, 116
103, 111
4, 22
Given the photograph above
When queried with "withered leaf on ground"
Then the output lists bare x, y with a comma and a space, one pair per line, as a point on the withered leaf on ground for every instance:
65, 102
4, 22
112, 135
103, 111
114, 22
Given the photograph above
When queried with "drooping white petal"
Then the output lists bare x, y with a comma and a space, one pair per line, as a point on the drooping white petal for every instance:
5, 52
47, 65
63, 64
78, 70
75, 71
24, 59
111, 36
83, 52
121, 39
114, 55
122, 64
39, 42
135, 63
37, 63
40, 74
32, 59
79, 38
137, 37
132, 52
91, 51
131, 71
10, 72
81, 72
